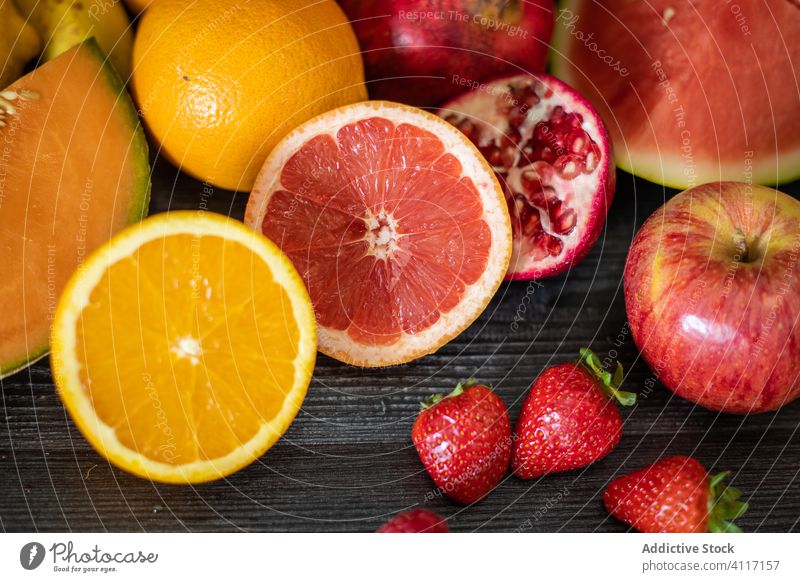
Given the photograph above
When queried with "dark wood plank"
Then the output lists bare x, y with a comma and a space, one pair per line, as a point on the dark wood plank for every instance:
347, 462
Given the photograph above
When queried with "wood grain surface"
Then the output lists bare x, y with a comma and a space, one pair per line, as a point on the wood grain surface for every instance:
347, 462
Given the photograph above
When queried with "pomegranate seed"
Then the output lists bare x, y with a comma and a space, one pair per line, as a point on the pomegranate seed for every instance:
526, 156
541, 132
467, 128
492, 154
540, 245
540, 195
532, 222
530, 180
568, 167
554, 245
590, 164
565, 222
578, 143
529, 97
508, 155
543, 170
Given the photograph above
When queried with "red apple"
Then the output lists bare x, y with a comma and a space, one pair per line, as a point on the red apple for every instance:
423, 52
712, 290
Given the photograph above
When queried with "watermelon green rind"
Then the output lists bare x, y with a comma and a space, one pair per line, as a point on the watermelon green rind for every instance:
140, 196
780, 170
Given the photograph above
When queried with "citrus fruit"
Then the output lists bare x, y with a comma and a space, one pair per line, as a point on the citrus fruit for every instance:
74, 170
184, 347
394, 220
219, 85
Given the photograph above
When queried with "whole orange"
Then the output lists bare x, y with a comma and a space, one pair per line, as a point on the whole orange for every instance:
219, 84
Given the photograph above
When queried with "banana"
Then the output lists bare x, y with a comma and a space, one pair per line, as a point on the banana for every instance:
19, 43
64, 23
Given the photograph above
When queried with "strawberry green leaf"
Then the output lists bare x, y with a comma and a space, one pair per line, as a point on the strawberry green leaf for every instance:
461, 385
724, 505
435, 399
618, 375
608, 382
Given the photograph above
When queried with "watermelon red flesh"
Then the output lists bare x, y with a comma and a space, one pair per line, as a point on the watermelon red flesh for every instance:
376, 180
74, 171
692, 92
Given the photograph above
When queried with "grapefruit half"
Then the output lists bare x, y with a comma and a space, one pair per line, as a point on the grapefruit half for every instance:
395, 222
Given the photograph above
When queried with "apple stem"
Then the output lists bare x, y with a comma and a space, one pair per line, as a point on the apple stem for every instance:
740, 242
497, 9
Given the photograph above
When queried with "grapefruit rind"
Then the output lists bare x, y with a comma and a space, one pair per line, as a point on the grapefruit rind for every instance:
336, 343
66, 367
140, 197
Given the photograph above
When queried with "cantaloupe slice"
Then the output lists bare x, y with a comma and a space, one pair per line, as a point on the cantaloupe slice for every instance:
73, 170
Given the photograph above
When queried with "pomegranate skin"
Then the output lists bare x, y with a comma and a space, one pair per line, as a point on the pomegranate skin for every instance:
422, 52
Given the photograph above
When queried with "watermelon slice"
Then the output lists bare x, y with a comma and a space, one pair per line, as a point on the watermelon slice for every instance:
692, 92
73, 170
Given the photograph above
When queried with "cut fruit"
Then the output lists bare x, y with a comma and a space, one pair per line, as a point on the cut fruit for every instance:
693, 92
395, 222
552, 154
184, 347
75, 170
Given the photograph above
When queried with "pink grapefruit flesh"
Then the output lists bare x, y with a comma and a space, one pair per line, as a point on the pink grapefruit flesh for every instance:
396, 224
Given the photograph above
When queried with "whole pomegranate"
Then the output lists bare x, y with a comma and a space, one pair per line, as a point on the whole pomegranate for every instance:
422, 52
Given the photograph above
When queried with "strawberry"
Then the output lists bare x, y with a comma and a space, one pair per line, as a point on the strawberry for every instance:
569, 418
464, 441
675, 495
415, 521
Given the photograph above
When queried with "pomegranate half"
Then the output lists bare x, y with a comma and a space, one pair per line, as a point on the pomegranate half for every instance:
551, 152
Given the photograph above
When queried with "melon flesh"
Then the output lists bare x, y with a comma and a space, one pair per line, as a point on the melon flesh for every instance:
73, 170
692, 92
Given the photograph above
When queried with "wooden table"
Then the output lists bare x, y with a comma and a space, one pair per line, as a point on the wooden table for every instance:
347, 462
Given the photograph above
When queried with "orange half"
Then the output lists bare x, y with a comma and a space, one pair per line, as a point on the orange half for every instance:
184, 347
